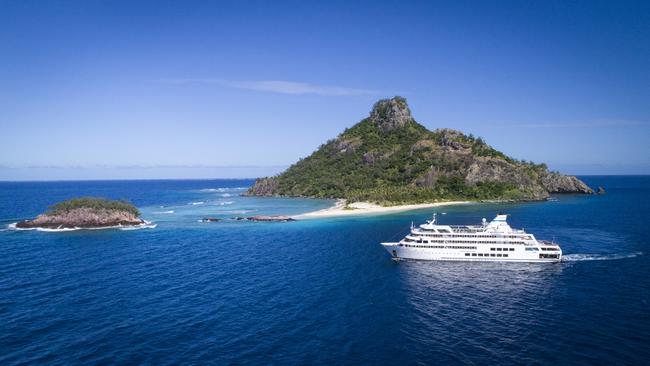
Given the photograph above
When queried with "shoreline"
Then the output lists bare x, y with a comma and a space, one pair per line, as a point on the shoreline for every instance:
366, 208
144, 225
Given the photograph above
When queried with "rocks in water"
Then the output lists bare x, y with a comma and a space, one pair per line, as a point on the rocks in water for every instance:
600, 190
261, 218
210, 219
85, 213
280, 218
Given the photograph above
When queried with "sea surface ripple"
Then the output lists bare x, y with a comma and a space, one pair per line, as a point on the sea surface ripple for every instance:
317, 291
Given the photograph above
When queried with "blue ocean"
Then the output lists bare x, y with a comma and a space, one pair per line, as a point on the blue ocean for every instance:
318, 291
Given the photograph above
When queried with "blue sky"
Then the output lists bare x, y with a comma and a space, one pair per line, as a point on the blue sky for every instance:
183, 89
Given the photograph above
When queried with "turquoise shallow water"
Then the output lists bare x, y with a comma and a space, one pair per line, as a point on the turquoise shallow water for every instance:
317, 291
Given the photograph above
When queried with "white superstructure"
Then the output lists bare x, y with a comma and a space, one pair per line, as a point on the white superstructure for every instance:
494, 241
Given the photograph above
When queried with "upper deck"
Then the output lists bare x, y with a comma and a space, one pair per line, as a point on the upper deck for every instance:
496, 228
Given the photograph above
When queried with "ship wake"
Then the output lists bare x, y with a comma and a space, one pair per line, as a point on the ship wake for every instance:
598, 257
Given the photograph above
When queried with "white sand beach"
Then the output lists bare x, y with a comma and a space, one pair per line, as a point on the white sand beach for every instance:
367, 208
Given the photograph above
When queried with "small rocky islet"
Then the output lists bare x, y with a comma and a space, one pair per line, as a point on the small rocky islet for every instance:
86, 213
259, 218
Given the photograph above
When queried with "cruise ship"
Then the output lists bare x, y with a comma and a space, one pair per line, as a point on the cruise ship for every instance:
495, 241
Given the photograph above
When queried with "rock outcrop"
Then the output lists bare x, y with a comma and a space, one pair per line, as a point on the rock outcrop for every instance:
263, 187
82, 218
391, 114
267, 218
558, 183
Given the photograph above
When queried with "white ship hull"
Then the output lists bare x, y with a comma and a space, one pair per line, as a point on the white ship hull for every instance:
493, 242
425, 254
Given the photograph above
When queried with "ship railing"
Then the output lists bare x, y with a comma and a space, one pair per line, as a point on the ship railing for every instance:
546, 242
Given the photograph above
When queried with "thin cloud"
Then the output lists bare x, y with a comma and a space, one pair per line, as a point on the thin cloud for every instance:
279, 86
598, 123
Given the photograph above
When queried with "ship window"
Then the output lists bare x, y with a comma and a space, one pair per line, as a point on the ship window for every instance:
473, 254
467, 254
491, 248
512, 249
505, 255
492, 255
499, 249
498, 255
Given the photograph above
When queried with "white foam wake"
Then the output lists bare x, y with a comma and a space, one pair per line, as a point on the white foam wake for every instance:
599, 257
164, 212
226, 203
197, 203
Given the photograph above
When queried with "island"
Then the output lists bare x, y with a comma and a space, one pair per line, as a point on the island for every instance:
388, 159
86, 213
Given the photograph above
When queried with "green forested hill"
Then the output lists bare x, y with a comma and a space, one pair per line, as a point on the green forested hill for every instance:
389, 158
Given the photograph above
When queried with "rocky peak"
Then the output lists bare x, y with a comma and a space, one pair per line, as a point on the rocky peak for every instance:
391, 114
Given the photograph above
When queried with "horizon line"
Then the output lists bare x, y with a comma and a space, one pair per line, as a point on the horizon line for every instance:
232, 178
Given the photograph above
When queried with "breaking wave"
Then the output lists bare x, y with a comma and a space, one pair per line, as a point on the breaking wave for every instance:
225, 203
146, 225
223, 189
164, 212
599, 257
226, 195
197, 203
239, 212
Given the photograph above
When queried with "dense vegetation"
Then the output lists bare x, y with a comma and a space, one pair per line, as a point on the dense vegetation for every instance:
391, 159
93, 203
